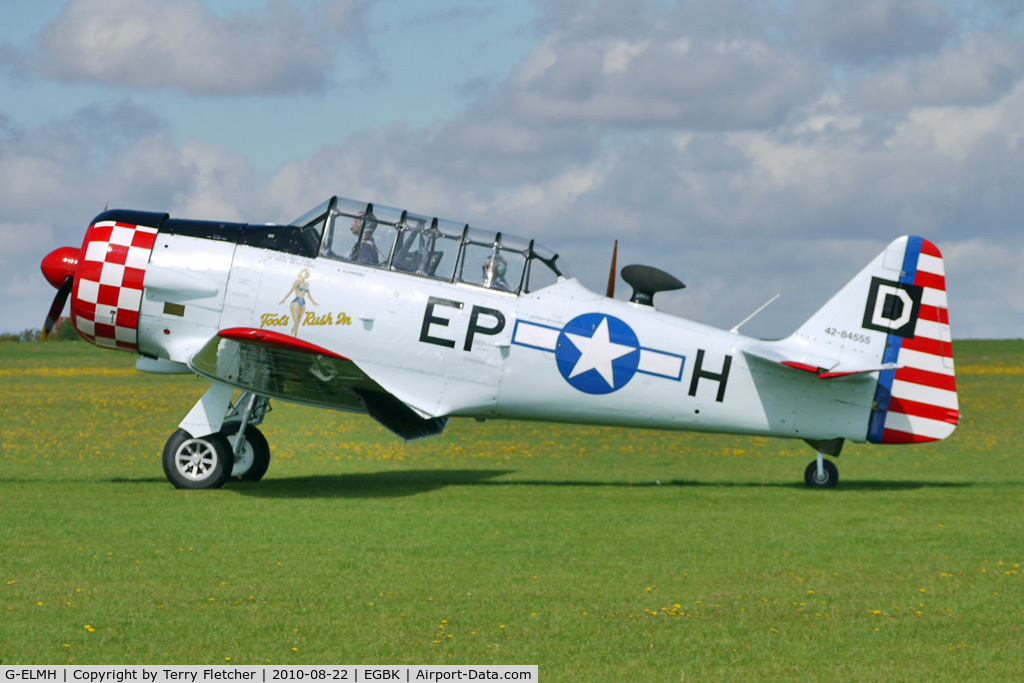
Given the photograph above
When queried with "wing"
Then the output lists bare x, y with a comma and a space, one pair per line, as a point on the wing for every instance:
279, 366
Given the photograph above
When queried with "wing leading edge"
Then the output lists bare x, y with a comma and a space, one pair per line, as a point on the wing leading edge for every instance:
283, 367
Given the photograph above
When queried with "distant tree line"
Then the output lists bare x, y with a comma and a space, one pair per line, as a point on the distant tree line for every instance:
62, 331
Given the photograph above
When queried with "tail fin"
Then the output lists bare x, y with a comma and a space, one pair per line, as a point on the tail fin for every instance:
893, 318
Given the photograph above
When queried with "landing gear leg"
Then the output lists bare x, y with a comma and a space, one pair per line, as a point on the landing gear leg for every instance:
251, 451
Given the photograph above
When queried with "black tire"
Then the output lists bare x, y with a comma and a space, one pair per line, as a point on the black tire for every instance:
203, 463
830, 479
254, 459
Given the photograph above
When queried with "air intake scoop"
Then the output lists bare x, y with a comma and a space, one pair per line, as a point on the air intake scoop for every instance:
647, 281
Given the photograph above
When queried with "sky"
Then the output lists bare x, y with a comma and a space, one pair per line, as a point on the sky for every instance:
748, 147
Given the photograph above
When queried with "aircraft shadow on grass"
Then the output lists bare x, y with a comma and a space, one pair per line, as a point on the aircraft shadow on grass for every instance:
401, 483
395, 484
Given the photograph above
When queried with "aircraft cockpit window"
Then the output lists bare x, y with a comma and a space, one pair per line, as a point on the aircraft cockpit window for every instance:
305, 239
445, 249
300, 237
360, 232
539, 276
428, 247
493, 261
313, 216
411, 240
543, 269
383, 237
384, 234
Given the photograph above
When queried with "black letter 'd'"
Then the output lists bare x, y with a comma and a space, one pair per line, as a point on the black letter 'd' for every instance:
430, 319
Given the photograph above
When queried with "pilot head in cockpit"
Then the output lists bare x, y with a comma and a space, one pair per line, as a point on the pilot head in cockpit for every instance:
364, 250
494, 269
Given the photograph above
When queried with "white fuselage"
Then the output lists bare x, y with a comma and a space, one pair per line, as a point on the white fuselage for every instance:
562, 353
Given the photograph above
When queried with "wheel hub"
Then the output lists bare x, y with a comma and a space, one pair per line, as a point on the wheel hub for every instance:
195, 459
244, 455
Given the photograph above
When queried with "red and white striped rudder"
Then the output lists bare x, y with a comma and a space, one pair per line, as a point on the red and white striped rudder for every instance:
917, 401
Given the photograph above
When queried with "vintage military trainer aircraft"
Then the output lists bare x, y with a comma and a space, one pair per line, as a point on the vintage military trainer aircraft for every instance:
414, 320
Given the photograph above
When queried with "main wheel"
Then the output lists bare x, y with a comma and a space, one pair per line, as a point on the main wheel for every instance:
252, 460
202, 463
828, 479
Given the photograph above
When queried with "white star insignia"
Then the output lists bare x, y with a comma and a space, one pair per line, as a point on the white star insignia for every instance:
597, 353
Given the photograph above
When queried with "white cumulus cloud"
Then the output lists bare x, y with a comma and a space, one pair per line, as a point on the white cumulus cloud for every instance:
152, 44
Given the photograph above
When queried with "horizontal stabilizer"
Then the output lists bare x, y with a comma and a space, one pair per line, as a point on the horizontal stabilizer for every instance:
819, 365
839, 371
796, 355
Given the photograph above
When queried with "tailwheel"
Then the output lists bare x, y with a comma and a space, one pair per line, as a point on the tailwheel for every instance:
197, 463
252, 456
821, 474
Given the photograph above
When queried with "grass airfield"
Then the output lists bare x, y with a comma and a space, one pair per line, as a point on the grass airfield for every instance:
595, 553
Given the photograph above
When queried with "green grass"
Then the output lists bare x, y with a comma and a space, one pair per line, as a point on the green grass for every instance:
597, 554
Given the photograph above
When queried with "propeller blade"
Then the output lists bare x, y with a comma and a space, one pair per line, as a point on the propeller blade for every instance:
611, 273
57, 307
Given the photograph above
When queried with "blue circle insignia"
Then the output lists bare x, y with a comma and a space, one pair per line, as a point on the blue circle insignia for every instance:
597, 353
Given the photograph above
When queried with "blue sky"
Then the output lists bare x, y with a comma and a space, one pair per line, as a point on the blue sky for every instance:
392, 62
750, 148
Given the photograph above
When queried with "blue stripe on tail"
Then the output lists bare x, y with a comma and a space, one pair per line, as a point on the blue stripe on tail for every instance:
893, 343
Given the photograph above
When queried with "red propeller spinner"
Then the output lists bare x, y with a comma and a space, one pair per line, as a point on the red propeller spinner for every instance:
59, 265
59, 268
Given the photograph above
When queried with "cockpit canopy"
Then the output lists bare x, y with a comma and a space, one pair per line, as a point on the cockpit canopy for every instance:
387, 238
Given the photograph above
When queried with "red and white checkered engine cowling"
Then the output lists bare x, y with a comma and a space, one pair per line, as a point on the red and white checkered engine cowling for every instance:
107, 293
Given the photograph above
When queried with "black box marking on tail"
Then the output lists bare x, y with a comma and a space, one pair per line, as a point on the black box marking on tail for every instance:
893, 307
